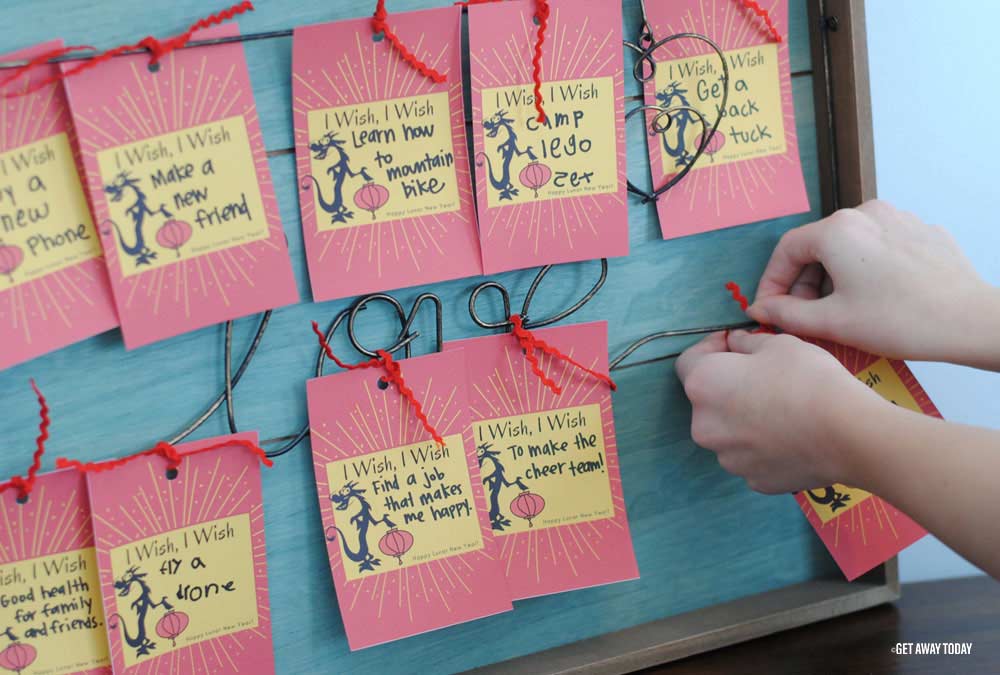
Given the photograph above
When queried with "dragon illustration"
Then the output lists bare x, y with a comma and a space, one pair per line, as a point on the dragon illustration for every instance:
339, 171
495, 482
363, 520
831, 496
680, 121
138, 212
507, 150
142, 605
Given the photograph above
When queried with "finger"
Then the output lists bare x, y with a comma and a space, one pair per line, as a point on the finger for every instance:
882, 212
744, 342
797, 248
796, 315
809, 283
826, 288
711, 344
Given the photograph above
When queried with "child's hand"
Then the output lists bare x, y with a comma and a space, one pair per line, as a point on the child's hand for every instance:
881, 280
773, 409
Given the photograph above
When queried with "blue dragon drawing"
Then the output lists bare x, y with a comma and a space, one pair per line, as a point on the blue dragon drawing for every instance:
507, 150
831, 496
680, 121
139, 211
142, 605
363, 520
495, 482
339, 172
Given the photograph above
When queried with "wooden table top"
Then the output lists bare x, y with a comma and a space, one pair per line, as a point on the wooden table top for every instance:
952, 611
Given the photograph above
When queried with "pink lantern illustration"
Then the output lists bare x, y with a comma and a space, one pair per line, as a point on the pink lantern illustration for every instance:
371, 197
527, 505
715, 143
11, 258
396, 543
535, 176
17, 656
171, 625
174, 234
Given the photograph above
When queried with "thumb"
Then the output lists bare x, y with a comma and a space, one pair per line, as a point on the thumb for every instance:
794, 315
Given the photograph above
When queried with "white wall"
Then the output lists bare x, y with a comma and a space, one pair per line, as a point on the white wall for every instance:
934, 75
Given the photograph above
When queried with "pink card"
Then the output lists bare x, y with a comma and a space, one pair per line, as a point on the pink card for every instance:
182, 562
50, 600
750, 169
550, 192
550, 462
410, 545
53, 284
862, 530
383, 165
181, 190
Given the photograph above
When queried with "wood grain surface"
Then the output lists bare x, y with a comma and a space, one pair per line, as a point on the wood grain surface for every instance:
701, 536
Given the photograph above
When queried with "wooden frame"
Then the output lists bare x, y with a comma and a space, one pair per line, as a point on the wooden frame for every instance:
847, 169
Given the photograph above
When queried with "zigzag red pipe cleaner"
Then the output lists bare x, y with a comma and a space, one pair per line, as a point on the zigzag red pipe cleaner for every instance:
529, 343
393, 375
25, 484
542, 15
738, 296
542, 12
379, 25
762, 13
158, 49
167, 451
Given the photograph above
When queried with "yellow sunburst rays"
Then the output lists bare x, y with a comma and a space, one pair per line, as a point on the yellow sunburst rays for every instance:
259, 553
25, 126
213, 98
520, 383
874, 503
223, 496
582, 395
52, 528
565, 60
738, 31
383, 432
368, 88
449, 419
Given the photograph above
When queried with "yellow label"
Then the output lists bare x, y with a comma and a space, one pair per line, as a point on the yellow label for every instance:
402, 507
882, 377
43, 212
182, 194
53, 605
572, 153
752, 121
382, 161
203, 574
557, 455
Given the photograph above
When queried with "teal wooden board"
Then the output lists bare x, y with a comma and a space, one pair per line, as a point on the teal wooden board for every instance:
701, 537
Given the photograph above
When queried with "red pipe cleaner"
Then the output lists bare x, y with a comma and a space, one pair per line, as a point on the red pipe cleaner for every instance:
379, 25
158, 49
41, 59
165, 450
762, 13
24, 484
542, 15
529, 343
393, 375
738, 296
